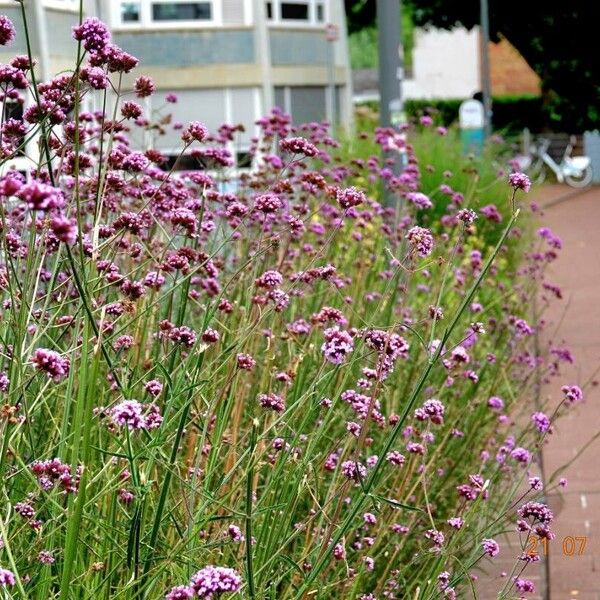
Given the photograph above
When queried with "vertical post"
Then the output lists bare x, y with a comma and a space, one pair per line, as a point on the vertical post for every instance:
390, 74
42, 35
263, 52
485, 67
331, 35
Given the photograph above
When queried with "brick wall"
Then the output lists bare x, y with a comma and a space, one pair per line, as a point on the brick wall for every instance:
509, 72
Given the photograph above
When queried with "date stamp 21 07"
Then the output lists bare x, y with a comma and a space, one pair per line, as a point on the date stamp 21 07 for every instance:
571, 545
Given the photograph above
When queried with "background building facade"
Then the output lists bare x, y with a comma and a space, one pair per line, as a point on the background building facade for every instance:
228, 61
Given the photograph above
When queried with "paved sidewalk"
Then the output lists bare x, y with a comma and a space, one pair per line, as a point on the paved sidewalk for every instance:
576, 320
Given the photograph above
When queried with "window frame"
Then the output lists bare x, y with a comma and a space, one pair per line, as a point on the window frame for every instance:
147, 23
64, 5
277, 21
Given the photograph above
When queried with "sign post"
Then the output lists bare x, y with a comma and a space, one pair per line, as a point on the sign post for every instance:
471, 117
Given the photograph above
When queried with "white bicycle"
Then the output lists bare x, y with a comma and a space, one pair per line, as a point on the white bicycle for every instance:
576, 171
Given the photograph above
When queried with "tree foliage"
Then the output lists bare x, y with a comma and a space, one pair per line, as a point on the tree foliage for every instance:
558, 40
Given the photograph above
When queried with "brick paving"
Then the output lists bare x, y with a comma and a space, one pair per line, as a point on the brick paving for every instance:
576, 319
575, 217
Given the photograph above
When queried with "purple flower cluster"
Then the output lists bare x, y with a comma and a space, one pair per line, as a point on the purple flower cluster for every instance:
490, 547
432, 410
536, 511
298, 145
572, 393
419, 200
350, 197
271, 401
51, 473
421, 240
93, 34
245, 362
337, 346
7, 577
208, 583
40, 196
519, 181
183, 335
134, 415
353, 470
195, 131
52, 363
541, 422
7, 30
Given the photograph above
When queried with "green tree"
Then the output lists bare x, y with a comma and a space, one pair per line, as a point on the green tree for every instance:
557, 39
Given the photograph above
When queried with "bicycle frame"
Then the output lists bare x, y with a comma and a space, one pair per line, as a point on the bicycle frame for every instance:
551, 163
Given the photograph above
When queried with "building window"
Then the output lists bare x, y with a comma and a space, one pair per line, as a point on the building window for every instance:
294, 11
302, 12
181, 11
131, 12
158, 14
320, 12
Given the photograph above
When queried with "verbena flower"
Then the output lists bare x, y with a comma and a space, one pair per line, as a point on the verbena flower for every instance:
180, 592
93, 34
541, 422
7, 31
135, 415
519, 181
245, 362
211, 582
338, 344
298, 145
272, 401
490, 547
52, 363
7, 577
40, 196
572, 393
350, 197
195, 131
420, 240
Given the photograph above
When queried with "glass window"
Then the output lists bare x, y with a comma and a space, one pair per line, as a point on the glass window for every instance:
269, 10
294, 11
130, 12
320, 13
181, 11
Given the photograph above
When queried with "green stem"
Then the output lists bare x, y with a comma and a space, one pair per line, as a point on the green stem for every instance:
377, 470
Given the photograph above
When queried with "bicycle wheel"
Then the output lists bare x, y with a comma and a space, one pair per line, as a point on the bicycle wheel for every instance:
537, 173
582, 180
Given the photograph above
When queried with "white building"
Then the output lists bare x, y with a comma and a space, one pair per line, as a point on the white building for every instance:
228, 61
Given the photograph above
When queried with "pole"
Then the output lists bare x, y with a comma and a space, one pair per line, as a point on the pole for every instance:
331, 83
42, 35
331, 35
485, 67
390, 74
263, 46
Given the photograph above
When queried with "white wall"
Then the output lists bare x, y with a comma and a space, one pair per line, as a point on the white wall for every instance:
445, 64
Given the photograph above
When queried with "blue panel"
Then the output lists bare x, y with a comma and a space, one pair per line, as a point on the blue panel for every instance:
298, 47
186, 48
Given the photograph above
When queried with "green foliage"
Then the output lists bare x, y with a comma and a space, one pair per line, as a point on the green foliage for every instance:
363, 44
558, 41
363, 48
443, 161
510, 114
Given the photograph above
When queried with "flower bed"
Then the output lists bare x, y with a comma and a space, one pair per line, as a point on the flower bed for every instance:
285, 392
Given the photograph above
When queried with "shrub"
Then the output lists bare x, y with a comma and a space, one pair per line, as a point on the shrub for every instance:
511, 114
284, 390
